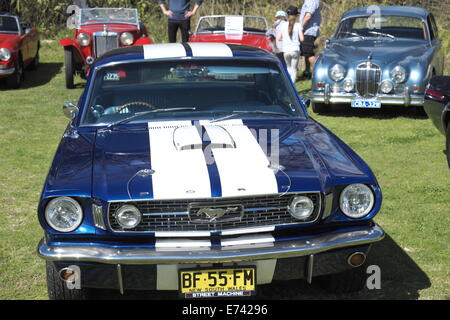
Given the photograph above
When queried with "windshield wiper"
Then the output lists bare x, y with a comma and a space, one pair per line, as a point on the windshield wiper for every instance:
387, 35
235, 113
139, 114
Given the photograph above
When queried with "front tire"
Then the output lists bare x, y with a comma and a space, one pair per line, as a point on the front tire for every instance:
320, 107
14, 81
352, 280
69, 67
58, 290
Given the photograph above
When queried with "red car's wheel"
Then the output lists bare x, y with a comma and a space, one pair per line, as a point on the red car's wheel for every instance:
69, 68
15, 80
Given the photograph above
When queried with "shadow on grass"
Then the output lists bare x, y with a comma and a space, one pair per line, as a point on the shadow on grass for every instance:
401, 279
386, 112
41, 76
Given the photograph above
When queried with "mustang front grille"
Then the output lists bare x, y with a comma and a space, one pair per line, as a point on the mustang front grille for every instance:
177, 215
104, 42
367, 79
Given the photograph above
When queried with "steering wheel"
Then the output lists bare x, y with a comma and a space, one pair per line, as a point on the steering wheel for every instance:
137, 103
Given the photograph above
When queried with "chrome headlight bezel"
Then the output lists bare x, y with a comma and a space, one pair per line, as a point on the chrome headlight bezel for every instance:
337, 72
348, 85
304, 201
386, 86
398, 74
125, 212
84, 39
5, 54
363, 191
51, 217
126, 38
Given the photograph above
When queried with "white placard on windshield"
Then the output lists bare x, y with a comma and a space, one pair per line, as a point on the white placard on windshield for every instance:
234, 25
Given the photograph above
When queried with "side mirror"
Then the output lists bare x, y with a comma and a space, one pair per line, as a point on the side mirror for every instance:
70, 110
306, 101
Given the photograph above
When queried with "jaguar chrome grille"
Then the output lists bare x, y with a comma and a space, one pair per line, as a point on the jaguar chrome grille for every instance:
104, 42
367, 79
174, 215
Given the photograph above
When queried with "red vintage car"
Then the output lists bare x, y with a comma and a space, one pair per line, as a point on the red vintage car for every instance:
248, 30
97, 31
19, 49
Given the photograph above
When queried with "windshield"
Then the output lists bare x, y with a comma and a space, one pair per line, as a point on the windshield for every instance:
193, 90
382, 26
231, 24
8, 25
108, 15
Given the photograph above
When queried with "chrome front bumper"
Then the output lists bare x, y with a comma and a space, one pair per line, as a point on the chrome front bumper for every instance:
275, 250
7, 72
329, 97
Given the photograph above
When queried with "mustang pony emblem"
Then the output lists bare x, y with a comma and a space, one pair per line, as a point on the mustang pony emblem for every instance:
215, 214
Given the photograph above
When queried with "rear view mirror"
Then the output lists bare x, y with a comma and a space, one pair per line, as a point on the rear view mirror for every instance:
70, 110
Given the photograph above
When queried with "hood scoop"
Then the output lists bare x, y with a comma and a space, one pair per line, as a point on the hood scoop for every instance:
188, 138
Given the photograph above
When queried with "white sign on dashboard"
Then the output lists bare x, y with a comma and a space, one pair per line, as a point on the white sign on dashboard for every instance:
234, 25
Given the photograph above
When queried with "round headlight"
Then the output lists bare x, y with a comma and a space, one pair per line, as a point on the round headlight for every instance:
356, 200
301, 208
84, 39
5, 54
348, 85
337, 72
126, 38
63, 214
128, 216
386, 86
398, 74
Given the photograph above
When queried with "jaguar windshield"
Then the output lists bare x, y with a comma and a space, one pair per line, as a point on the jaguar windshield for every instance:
388, 27
189, 89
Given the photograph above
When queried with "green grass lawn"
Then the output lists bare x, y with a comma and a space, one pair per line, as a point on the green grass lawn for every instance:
405, 152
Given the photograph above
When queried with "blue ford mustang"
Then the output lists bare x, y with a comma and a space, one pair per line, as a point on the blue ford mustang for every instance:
195, 167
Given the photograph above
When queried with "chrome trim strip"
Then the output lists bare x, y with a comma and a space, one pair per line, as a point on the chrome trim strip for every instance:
144, 255
7, 72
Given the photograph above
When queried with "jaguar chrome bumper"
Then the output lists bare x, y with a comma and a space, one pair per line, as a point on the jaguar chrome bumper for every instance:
329, 97
150, 255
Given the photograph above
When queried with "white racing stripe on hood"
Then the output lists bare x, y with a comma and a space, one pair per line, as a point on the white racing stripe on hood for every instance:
179, 174
243, 170
200, 49
164, 50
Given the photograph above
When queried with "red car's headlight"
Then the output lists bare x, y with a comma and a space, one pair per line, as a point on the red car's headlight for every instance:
5, 54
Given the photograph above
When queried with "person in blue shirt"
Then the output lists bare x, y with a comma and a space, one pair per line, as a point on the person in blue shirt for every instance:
179, 15
310, 19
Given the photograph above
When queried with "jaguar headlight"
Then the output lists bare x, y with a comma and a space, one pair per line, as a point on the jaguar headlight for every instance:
84, 39
301, 207
63, 214
337, 72
128, 216
356, 200
126, 38
398, 74
5, 54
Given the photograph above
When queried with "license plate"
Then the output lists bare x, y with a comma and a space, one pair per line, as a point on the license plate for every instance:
221, 283
370, 104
